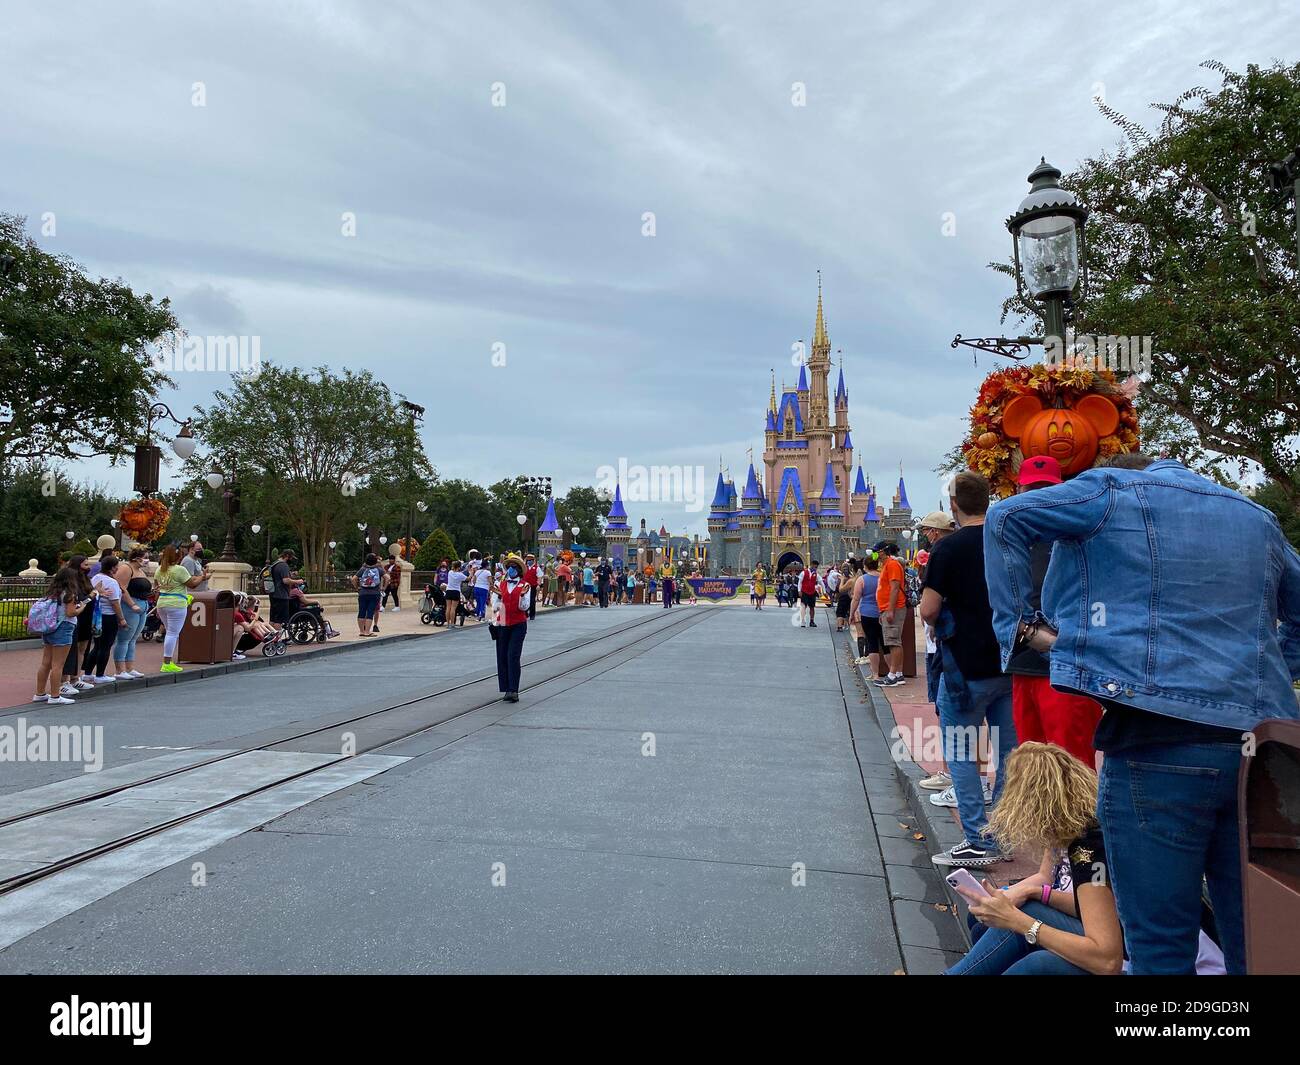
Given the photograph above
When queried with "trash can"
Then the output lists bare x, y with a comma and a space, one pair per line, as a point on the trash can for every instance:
208, 635
1268, 794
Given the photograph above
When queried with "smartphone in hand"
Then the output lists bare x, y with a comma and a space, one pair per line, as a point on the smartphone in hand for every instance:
962, 882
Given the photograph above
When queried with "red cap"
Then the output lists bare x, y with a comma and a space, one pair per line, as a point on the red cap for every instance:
1040, 469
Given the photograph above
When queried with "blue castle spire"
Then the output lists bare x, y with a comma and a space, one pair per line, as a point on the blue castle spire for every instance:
803, 378
860, 487
840, 391
902, 493
720, 494
617, 515
550, 524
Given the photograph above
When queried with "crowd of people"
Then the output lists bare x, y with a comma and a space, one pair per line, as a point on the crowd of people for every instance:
1088, 621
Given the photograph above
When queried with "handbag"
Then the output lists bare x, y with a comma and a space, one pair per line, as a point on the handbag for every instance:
492, 630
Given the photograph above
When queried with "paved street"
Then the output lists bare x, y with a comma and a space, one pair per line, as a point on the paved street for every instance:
693, 793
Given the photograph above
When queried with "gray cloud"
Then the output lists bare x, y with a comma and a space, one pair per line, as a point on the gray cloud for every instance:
522, 225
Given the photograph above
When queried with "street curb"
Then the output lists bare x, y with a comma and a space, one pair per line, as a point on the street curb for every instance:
939, 830
220, 669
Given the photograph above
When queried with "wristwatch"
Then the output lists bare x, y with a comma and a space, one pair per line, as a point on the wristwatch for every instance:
1031, 936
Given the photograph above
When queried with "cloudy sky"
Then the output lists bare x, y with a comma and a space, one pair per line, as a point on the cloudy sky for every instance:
519, 229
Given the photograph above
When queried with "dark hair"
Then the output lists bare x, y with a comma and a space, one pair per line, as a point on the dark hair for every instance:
814, 562
970, 491
371, 559
109, 564
136, 553
1133, 460
82, 581
108, 552
64, 585
872, 562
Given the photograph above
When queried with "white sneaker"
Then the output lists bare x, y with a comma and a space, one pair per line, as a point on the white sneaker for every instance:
135, 674
948, 797
105, 680
42, 697
397, 610
52, 701
68, 689
862, 661
938, 782
84, 686
237, 657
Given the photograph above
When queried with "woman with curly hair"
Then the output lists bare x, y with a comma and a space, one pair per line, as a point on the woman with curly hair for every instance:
1062, 920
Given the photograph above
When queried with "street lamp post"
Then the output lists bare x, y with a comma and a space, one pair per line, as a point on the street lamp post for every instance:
416, 413
1051, 261
522, 519
148, 456
1286, 180
1047, 232
230, 504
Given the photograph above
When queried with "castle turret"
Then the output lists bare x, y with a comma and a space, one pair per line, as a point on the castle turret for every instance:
617, 533
549, 537
821, 439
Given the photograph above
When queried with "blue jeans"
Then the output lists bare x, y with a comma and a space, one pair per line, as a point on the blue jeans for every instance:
124, 648
990, 702
480, 602
1170, 815
1000, 952
933, 674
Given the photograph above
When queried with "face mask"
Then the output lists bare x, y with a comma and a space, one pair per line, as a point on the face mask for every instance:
513, 571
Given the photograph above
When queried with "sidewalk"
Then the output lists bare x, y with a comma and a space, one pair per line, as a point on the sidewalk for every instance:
908, 718
18, 665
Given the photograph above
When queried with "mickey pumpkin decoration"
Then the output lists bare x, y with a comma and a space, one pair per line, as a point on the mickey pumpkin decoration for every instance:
1076, 415
1072, 436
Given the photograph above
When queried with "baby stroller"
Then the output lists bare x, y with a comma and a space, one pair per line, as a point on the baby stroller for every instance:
153, 628
433, 605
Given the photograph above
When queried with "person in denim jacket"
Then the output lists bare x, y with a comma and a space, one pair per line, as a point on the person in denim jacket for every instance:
1188, 643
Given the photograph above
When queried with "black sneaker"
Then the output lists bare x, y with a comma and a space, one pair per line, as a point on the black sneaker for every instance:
966, 855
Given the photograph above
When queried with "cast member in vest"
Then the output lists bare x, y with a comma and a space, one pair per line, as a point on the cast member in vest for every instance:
667, 572
533, 578
511, 599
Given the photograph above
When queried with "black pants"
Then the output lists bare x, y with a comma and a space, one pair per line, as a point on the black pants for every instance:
668, 592
102, 648
390, 590
532, 613
510, 649
603, 588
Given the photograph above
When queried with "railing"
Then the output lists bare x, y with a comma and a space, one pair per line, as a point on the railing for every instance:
316, 583
16, 597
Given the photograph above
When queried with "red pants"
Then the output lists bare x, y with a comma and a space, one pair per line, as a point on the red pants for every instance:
1048, 716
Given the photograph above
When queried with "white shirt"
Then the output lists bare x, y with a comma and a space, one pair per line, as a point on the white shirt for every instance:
455, 578
482, 578
833, 581
107, 586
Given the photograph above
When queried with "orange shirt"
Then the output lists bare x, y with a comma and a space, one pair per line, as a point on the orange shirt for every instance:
892, 570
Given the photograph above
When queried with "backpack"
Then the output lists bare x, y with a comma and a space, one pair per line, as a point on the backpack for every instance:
45, 616
268, 582
371, 577
912, 585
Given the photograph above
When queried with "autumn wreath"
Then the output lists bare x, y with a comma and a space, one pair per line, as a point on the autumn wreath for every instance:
996, 449
144, 520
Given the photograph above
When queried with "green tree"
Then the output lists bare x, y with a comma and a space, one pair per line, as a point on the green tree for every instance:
38, 505
436, 546
78, 376
1271, 495
583, 507
315, 440
471, 516
1188, 244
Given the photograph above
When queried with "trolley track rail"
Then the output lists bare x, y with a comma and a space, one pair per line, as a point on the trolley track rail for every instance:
14, 883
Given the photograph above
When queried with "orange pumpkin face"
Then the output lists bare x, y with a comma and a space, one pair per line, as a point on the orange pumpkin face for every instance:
1071, 436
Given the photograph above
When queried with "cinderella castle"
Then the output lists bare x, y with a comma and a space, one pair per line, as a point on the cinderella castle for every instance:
801, 506
800, 509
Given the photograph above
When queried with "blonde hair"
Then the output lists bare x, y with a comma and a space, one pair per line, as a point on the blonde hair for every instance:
1048, 799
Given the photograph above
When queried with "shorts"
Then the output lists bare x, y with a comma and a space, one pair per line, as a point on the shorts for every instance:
368, 605
808, 600
871, 630
891, 626
453, 596
842, 605
61, 636
280, 610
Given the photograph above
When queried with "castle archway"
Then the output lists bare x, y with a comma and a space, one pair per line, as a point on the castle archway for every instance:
790, 558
